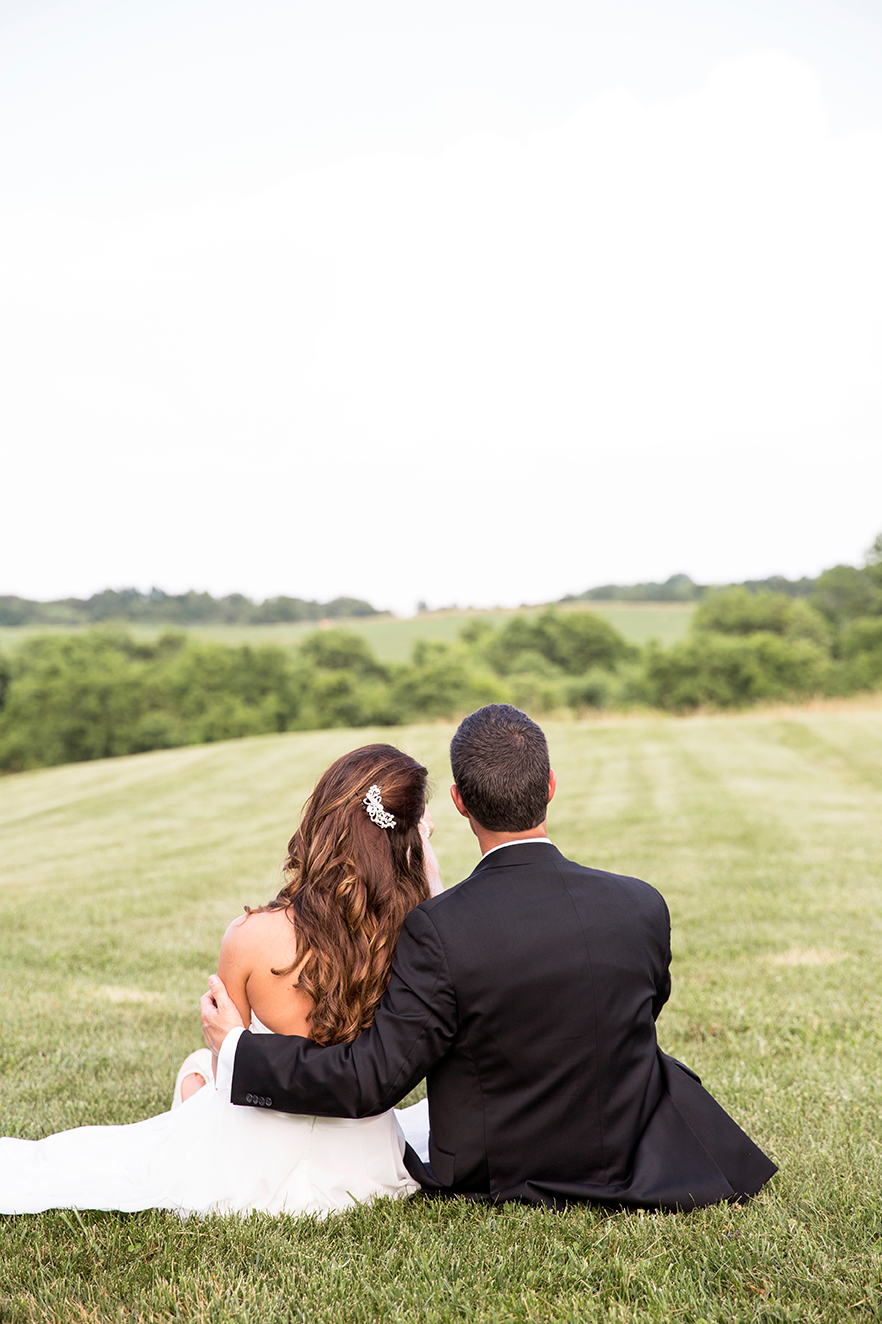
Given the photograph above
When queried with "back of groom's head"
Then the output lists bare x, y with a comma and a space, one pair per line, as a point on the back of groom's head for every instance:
500, 765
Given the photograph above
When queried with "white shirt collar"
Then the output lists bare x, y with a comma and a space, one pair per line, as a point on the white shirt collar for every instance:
522, 841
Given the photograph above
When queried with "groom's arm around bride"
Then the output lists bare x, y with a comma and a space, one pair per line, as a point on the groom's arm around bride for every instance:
526, 996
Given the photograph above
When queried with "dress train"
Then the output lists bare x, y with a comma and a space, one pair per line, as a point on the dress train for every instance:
209, 1156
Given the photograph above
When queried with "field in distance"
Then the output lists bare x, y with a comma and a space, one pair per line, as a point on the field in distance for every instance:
763, 831
392, 638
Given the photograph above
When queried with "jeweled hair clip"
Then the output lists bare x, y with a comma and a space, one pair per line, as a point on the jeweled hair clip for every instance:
373, 802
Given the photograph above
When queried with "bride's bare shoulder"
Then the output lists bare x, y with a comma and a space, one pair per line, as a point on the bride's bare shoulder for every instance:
254, 947
256, 932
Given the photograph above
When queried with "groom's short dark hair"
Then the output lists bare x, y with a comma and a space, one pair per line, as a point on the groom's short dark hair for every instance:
500, 765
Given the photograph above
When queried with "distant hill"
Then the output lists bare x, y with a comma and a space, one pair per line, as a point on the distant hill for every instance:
157, 607
680, 588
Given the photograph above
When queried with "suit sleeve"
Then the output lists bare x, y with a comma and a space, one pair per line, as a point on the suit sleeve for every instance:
412, 1030
663, 978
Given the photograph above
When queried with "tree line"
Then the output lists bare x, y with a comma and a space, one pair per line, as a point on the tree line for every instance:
680, 588
100, 693
157, 607
181, 609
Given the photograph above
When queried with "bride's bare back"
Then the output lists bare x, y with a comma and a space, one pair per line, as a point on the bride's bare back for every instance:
253, 946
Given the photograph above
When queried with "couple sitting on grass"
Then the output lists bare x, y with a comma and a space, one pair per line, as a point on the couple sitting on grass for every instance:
526, 997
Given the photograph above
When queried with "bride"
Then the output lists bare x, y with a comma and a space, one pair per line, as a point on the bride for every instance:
313, 962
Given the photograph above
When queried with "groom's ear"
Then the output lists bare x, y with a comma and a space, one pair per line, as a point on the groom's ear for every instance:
552, 785
457, 800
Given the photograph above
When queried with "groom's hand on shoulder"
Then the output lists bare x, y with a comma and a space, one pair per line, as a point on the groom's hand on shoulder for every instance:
219, 1014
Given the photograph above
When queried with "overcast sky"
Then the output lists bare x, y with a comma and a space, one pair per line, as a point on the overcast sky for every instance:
477, 302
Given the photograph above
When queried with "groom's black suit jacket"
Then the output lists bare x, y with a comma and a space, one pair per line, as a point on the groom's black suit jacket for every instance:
527, 997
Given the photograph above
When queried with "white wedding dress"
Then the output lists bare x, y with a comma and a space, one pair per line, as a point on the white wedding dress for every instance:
212, 1156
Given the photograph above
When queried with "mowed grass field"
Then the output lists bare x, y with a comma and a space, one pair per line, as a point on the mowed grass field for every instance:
764, 833
392, 638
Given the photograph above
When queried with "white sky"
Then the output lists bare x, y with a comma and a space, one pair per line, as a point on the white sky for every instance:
482, 301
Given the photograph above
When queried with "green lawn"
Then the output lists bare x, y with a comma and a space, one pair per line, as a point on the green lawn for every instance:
392, 638
763, 831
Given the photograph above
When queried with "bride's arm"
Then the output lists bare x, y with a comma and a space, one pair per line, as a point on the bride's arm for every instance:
433, 872
234, 966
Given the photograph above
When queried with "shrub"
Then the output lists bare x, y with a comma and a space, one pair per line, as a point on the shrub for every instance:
573, 641
861, 650
724, 671
5, 678
338, 698
101, 693
442, 681
736, 611
341, 650
844, 593
862, 636
536, 691
205, 684
72, 697
593, 690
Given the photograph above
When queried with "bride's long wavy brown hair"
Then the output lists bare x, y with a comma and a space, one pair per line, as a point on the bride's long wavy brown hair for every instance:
349, 885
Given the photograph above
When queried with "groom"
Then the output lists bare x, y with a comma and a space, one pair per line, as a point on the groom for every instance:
527, 998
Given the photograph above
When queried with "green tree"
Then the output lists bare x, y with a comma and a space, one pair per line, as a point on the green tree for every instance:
72, 697
102, 693
340, 649
573, 642
717, 670
844, 593
443, 680
342, 683
737, 611
861, 651
219, 693
338, 698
